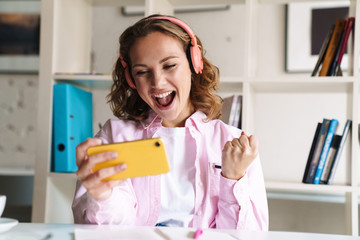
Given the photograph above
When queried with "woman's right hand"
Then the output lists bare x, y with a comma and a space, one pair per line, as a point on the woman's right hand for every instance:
99, 190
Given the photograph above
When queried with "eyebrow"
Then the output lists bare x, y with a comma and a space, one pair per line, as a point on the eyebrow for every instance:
161, 61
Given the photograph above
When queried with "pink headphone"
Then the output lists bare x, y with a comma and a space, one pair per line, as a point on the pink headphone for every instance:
195, 58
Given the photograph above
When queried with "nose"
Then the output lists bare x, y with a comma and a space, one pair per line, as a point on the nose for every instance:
158, 79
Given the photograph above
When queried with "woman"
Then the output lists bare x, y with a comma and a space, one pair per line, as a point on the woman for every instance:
163, 87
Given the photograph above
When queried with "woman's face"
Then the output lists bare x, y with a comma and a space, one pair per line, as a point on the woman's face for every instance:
162, 77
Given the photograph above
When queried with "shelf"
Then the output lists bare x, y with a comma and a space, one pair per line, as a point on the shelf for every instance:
173, 2
303, 85
105, 81
89, 80
55, 175
280, 108
311, 197
14, 171
295, 187
294, 1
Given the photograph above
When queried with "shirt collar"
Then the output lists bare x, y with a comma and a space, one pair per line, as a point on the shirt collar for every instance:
152, 120
197, 119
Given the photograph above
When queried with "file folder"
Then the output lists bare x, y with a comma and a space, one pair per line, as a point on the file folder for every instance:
72, 124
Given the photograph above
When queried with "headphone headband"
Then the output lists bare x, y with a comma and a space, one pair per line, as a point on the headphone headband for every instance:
181, 24
194, 55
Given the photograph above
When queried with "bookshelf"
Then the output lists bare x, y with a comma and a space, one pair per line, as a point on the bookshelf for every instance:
281, 108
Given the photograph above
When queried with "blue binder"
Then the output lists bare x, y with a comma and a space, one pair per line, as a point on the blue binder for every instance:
72, 124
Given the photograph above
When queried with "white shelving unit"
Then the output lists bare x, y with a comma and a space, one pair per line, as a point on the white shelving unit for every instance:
281, 109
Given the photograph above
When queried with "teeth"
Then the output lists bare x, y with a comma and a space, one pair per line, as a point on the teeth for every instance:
162, 95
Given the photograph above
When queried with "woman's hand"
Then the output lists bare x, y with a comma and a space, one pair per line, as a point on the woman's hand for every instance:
237, 156
100, 190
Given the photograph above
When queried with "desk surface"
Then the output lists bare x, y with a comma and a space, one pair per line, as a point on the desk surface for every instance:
37, 231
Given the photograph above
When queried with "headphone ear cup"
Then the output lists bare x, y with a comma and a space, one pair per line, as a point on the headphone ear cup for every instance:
196, 59
188, 55
127, 73
128, 78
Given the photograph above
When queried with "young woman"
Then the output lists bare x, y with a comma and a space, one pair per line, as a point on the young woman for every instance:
164, 87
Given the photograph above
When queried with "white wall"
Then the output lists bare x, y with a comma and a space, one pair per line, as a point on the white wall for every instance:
18, 100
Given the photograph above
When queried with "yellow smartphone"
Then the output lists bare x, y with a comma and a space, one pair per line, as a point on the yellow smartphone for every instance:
142, 157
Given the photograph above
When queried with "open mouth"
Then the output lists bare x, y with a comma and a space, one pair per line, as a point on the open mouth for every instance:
165, 99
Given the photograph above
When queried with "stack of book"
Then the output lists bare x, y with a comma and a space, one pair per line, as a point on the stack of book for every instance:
231, 110
333, 48
325, 152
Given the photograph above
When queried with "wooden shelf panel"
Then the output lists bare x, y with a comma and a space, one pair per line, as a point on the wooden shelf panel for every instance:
16, 171
293, 1
294, 187
174, 2
55, 175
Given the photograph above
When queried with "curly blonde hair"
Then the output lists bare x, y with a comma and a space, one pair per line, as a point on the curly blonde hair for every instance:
126, 103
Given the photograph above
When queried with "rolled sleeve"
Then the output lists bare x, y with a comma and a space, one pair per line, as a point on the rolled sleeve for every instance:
243, 204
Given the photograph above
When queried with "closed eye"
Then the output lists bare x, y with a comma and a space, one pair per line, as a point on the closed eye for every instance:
169, 66
138, 73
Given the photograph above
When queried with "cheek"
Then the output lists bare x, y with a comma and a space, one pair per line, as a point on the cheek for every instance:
142, 90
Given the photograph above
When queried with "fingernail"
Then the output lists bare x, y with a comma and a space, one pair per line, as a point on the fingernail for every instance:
114, 154
122, 166
98, 141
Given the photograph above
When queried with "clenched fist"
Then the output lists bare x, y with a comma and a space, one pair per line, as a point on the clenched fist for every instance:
237, 156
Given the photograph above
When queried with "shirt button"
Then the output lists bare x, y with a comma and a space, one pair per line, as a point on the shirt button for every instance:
199, 213
200, 184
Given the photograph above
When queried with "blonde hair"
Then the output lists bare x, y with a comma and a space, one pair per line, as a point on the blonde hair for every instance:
126, 103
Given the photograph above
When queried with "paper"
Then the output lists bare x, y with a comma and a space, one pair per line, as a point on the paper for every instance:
188, 233
136, 233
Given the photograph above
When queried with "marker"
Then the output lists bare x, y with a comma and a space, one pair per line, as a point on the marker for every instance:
198, 233
217, 166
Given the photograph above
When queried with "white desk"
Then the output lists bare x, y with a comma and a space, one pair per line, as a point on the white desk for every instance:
37, 231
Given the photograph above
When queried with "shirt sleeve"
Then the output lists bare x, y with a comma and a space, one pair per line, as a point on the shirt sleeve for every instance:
243, 203
119, 208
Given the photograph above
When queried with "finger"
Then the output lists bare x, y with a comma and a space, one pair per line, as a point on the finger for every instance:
236, 142
103, 187
227, 145
95, 178
244, 140
253, 141
82, 148
243, 133
86, 167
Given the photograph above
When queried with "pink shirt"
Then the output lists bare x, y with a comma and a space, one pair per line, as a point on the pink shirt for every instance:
219, 202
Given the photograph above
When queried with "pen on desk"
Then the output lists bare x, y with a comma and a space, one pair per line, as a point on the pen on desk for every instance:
218, 166
198, 233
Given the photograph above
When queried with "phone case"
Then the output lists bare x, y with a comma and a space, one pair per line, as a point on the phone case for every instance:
142, 157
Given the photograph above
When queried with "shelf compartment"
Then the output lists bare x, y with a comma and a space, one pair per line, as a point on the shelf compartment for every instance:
285, 144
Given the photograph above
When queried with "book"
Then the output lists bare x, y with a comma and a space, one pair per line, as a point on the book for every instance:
238, 110
231, 110
72, 124
332, 68
325, 150
347, 30
322, 51
333, 45
330, 158
311, 153
317, 151
335, 162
